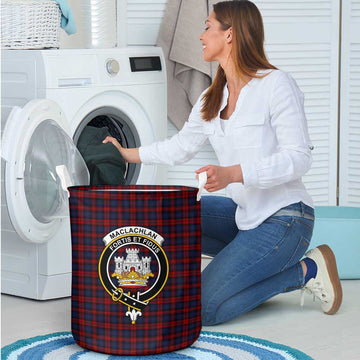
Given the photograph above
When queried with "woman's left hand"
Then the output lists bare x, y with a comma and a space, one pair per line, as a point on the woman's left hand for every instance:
218, 177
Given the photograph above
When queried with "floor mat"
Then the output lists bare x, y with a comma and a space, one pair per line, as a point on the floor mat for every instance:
209, 346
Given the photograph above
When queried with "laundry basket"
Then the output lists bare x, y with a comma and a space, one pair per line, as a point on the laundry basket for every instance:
136, 270
27, 24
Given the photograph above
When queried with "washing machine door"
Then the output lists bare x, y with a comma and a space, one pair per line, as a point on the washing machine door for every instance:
40, 162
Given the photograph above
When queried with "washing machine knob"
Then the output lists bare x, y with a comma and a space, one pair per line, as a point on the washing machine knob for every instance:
112, 67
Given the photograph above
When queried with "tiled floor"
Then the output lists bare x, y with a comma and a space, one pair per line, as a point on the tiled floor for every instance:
280, 320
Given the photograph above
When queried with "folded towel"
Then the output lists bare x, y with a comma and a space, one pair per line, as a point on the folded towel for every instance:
67, 17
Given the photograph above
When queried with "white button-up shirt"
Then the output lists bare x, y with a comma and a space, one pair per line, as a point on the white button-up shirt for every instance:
266, 134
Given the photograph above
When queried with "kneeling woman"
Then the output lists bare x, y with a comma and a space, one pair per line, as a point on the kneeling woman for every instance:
253, 116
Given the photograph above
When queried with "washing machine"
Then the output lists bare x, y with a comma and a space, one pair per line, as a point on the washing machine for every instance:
48, 99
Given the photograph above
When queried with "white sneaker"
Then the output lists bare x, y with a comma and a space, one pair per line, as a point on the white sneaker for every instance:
326, 285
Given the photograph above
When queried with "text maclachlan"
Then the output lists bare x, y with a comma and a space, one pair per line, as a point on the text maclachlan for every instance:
134, 230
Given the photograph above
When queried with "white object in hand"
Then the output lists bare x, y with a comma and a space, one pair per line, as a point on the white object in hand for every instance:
202, 182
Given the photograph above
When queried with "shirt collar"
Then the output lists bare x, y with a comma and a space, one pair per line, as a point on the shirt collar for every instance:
249, 84
226, 94
224, 98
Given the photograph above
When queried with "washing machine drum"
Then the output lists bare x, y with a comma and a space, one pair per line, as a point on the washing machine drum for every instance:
41, 161
105, 163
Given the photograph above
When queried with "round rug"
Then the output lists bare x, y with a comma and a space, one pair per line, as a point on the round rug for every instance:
209, 346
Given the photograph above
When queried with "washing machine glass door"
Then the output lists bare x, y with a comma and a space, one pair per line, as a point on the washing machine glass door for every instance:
41, 161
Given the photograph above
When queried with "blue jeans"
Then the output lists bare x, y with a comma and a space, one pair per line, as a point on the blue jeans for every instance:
249, 266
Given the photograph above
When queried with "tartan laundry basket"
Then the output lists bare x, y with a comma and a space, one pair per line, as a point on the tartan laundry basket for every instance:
136, 271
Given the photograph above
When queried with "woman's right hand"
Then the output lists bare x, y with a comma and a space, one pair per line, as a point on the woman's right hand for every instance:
113, 141
129, 155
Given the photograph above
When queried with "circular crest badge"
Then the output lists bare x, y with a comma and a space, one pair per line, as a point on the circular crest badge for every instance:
133, 268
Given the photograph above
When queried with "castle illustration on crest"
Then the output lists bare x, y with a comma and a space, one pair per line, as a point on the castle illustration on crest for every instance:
131, 271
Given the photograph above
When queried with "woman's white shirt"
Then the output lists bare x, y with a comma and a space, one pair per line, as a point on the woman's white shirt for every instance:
266, 134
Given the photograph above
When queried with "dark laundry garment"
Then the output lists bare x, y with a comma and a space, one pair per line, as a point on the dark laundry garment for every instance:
105, 163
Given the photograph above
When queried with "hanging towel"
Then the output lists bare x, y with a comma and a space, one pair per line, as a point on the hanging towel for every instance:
105, 163
188, 75
67, 17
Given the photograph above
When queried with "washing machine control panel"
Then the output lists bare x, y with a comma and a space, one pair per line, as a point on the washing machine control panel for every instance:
112, 67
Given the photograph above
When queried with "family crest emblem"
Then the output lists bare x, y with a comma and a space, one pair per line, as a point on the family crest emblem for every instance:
133, 268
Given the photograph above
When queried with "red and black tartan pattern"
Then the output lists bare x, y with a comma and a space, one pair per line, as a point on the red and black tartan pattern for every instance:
171, 320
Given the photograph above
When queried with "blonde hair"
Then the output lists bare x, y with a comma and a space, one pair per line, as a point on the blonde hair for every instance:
247, 51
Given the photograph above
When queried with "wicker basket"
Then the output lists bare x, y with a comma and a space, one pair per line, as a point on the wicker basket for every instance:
27, 24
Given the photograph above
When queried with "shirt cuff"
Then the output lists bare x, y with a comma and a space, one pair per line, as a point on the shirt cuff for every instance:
250, 175
144, 155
